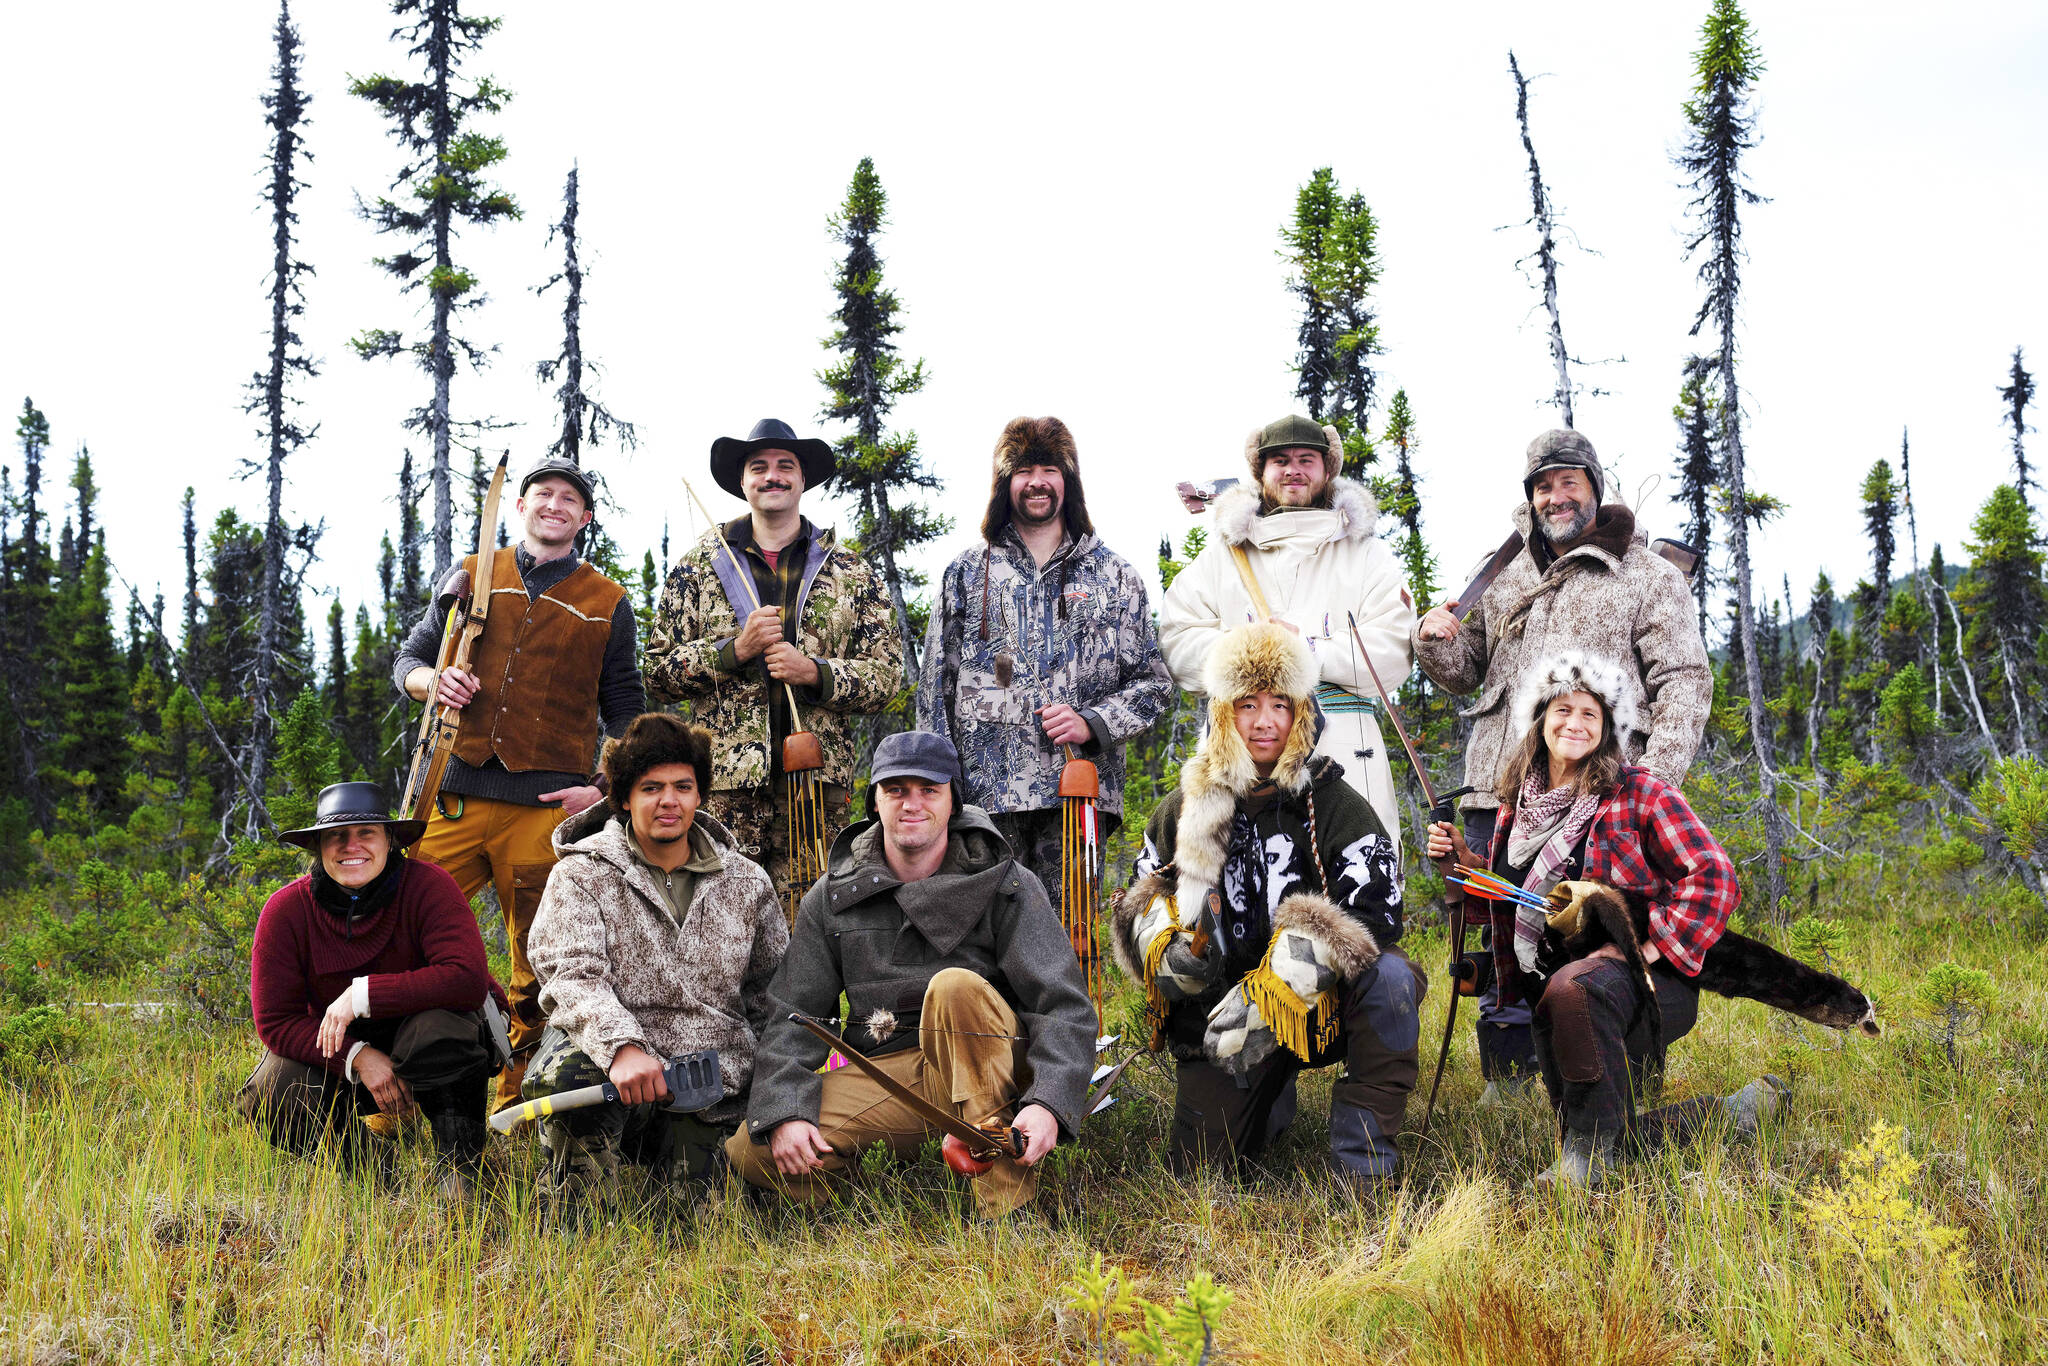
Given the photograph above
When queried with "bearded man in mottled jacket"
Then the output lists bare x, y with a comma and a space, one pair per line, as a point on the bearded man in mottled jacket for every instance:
655, 937
1040, 643
1584, 580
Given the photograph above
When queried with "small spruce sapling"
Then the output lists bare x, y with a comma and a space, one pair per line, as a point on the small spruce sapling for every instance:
1951, 1003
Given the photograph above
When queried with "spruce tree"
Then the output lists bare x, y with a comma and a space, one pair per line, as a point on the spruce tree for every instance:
1401, 499
1541, 219
1332, 249
286, 104
884, 473
1698, 471
1720, 131
1880, 515
24, 623
2017, 396
2006, 602
412, 593
441, 185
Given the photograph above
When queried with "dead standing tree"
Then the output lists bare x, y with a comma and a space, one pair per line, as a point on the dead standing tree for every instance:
1720, 130
1546, 245
584, 419
286, 104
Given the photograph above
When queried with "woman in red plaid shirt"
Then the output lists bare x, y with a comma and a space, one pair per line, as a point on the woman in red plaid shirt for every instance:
1572, 809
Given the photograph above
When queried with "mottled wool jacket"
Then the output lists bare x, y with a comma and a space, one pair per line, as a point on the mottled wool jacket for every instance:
616, 968
1009, 636
1266, 861
842, 619
880, 941
1609, 596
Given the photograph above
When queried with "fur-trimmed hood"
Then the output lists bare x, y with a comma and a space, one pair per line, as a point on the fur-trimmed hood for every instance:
1036, 441
1237, 520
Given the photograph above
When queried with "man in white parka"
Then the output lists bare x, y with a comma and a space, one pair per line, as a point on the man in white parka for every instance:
1308, 540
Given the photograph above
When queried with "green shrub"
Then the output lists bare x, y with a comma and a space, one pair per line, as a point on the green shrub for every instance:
34, 1042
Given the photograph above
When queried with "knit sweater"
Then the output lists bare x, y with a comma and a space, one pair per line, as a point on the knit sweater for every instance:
421, 951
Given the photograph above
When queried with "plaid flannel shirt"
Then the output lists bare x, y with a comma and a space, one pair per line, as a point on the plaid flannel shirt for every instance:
1647, 840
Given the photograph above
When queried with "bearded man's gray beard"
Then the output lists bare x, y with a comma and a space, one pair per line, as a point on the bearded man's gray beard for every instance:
1566, 533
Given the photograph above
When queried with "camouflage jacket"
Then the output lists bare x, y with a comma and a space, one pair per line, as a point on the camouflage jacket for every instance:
844, 622
1009, 636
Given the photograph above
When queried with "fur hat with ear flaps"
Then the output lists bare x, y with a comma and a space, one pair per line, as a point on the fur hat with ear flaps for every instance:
1577, 671
1263, 657
1030, 441
1294, 431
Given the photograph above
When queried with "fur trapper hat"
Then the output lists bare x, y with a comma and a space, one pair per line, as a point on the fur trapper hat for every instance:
1294, 431
1037, 441
1261, 657
1577, 671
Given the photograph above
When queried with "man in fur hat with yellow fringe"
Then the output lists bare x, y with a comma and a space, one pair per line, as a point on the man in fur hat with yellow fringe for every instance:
1263, 923
1040, 639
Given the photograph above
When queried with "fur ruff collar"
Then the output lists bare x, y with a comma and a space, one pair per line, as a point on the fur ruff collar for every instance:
1237, 511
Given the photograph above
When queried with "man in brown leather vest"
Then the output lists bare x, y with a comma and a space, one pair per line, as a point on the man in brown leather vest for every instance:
556, 655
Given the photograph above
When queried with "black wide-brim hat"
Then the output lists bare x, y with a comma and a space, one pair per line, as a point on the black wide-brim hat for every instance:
729, 454
346, 804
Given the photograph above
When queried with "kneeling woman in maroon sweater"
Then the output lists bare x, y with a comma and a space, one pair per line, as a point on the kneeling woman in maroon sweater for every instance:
367, 980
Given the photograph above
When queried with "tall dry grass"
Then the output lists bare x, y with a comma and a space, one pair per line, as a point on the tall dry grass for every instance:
141, 1221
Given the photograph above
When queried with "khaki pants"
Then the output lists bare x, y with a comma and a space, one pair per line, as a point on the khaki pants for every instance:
510, 846
974, 1077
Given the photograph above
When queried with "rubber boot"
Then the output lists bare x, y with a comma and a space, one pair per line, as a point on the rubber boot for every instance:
455, 1117
1582, 1165
1359, 1148
1766, 1096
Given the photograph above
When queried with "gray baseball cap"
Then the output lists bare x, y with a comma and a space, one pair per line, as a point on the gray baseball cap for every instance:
915, 754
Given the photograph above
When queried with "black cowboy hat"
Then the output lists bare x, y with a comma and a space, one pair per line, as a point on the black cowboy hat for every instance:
729, 454
346, 804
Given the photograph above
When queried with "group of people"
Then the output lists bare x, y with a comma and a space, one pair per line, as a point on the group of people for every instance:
657, 903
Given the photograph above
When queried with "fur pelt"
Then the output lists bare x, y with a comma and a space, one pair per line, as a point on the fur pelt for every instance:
1124, 915
1739, 966
1352, 947
1238, 508
1262, 657
1037, 441
1606, 919
1333, 452
1577, 671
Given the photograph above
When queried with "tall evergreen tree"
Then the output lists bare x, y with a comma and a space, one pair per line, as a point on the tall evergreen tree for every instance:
2017, 396
24, 623
1401, 499
2006, 602
1331, 246
1541, 219
286, 104
190, 640
443, 185
884, 473
584, 419
1720, 131
412, 593
1880, 516
1698, 471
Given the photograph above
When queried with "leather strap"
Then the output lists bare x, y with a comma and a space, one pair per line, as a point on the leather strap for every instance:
1251, 582
1476, 589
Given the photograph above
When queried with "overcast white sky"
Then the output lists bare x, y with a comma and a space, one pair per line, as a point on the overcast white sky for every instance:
1085, 205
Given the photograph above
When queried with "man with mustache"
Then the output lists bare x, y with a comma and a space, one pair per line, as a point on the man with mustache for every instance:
1040, 648
1583, 580
1307, 536
825, 632
556, 657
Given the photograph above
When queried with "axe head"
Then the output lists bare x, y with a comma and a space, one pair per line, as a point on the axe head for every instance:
693, 1080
